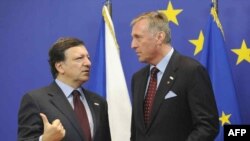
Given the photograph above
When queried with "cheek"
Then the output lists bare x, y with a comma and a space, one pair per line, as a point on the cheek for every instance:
144, 45
147, 46
77, 64
75, 67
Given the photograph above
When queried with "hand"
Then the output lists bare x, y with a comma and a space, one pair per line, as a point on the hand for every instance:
52, 132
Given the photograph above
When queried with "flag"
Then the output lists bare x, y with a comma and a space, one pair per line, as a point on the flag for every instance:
214, 58
108, 80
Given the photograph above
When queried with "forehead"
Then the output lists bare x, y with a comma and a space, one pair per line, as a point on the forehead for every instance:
76, 50
140, 26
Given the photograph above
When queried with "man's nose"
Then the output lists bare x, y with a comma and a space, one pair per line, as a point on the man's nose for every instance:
133, 44
87, 62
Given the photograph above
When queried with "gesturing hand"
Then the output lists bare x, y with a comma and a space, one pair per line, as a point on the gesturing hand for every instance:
54, 131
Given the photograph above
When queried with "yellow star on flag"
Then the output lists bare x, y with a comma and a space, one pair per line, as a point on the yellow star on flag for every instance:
224, 118
171, 13
243, 53
198, 43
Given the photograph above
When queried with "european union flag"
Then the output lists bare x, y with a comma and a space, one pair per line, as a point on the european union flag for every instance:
214, 58
97, 80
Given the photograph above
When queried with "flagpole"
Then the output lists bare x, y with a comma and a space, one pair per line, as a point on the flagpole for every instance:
109, 6
215, 2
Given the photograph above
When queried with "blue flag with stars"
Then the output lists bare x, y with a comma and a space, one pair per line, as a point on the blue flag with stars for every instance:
214, 58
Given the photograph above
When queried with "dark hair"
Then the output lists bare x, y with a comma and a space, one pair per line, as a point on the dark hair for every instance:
56, 52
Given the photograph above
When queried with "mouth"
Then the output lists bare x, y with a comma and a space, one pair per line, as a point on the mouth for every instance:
138, 53
86, 71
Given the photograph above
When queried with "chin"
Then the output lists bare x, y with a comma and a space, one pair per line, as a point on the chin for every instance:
84, 79
142, 60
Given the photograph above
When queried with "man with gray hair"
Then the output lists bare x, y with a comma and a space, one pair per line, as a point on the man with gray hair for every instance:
172, 96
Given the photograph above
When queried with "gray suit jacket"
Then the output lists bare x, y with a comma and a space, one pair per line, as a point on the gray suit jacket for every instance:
53, 103
187, 113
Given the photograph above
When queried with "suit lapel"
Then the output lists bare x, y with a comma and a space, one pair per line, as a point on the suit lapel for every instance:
61, 103
141, 94
94, 108
165, 85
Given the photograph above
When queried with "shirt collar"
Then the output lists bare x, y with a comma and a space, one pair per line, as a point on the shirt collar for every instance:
67, 90
161, 66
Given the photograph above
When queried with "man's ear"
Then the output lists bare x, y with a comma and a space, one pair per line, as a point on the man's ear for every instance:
59, 67
160, 37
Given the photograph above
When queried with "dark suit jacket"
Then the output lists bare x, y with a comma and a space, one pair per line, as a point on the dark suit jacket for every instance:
189, 116
53, 103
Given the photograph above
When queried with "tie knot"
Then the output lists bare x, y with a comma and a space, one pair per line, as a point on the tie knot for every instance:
154, 71
76, 93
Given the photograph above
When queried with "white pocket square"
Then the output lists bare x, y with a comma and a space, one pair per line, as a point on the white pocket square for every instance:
170, 94
97, 104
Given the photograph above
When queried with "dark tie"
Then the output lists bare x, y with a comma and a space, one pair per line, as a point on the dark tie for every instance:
81, 114
149, 99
